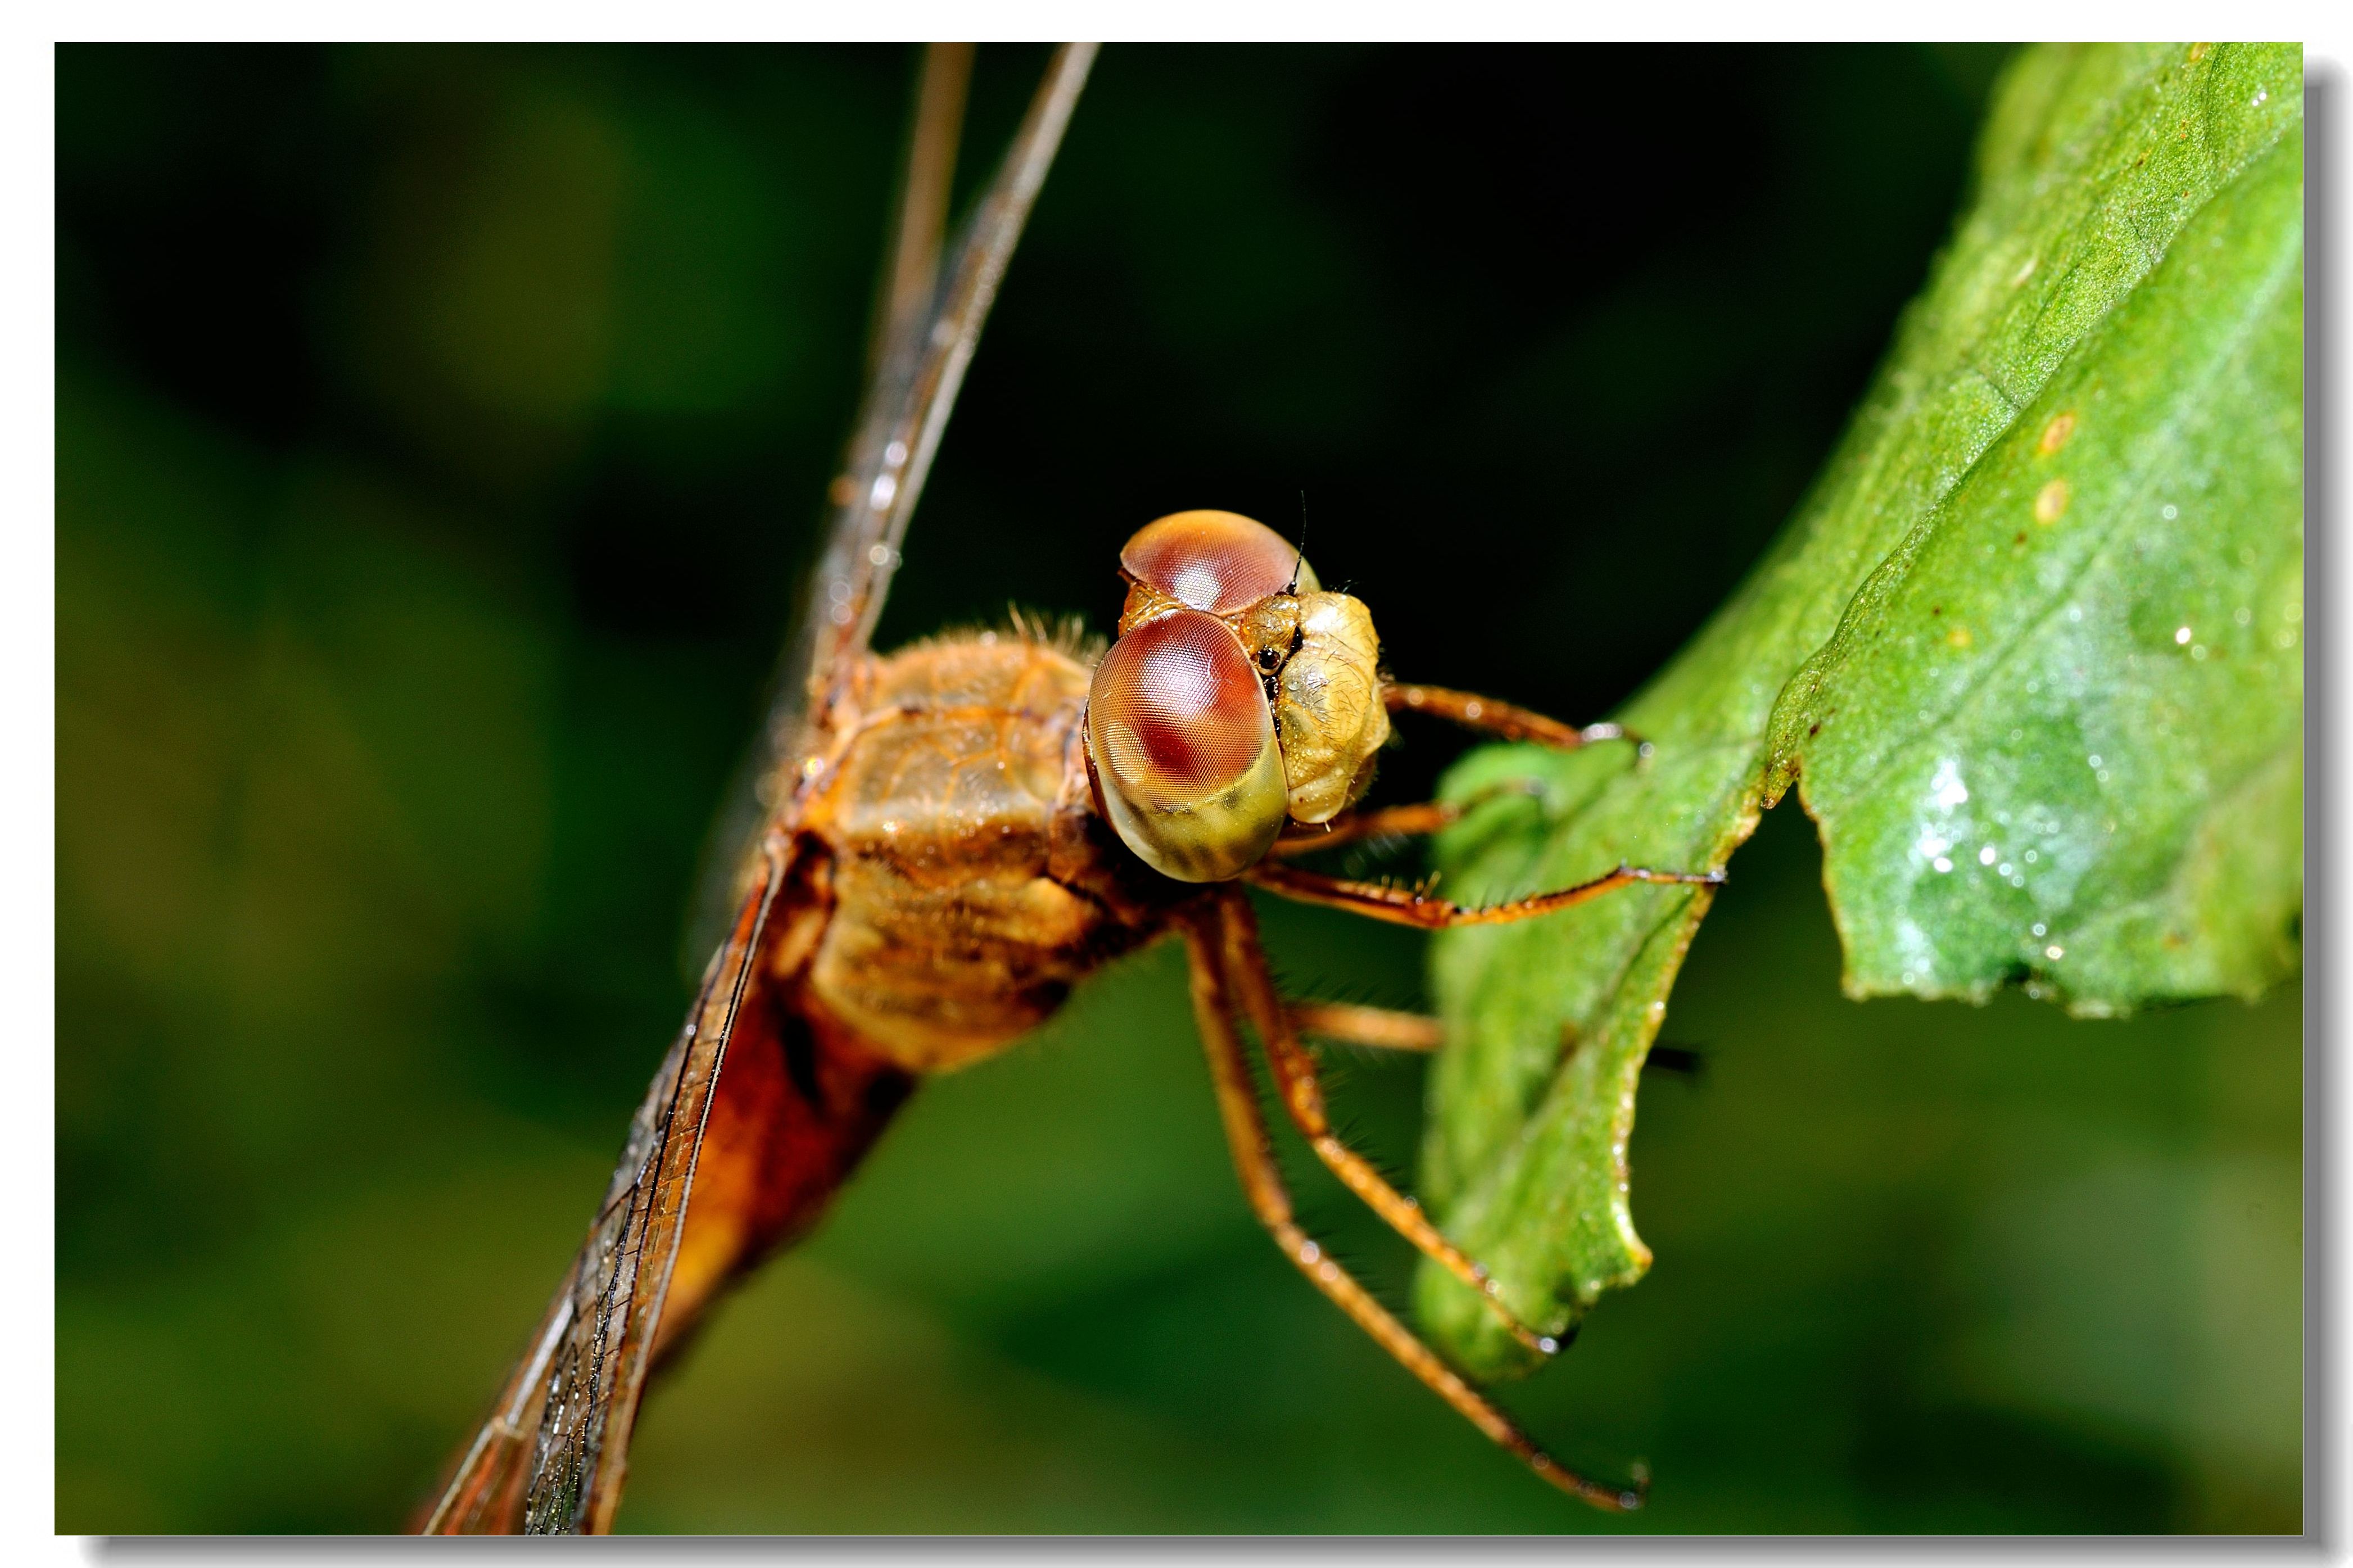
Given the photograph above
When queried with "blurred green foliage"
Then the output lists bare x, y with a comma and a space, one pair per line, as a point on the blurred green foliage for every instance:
1974, 636
439, 433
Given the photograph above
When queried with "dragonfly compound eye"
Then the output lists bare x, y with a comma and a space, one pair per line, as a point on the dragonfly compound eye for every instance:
1184, 746
1220, 561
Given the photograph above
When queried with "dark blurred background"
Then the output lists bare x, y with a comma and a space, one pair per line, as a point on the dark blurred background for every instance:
439, 432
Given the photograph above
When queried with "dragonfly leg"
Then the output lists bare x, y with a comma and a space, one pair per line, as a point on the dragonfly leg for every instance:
1504, 720
1261, 1181
1412, 907
1391, 821
1382, 1028
1303, 1098
1431, 817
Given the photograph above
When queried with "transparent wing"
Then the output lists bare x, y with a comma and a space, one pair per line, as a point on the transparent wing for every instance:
927, 325
549, 1459
761, 1149
917, 376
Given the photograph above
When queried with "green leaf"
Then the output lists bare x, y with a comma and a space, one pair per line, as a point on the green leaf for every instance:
2086, 439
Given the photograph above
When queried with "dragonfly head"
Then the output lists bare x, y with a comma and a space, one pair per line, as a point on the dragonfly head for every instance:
1241, 695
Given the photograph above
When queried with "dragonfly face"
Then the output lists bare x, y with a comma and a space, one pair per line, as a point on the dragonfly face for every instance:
1238, 698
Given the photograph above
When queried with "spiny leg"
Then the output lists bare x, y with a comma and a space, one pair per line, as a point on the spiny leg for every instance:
1412, 907
1504, 720
1262, 1185
1392, 821
1431, 817
1303, 1098
1383, 1028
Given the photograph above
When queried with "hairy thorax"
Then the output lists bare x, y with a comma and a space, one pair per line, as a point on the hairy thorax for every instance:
969, 883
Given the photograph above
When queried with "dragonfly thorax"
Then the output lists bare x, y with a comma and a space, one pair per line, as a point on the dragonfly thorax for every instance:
967, 884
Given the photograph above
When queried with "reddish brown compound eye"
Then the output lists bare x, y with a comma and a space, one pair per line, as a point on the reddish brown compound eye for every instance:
1220, 561
1184, 745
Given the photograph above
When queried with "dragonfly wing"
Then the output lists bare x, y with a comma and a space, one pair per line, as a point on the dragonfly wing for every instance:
484, 1491
761, 1146
918, 372
928, 322
550, 1456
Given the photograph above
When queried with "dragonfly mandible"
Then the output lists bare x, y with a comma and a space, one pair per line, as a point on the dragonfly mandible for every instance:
945, 839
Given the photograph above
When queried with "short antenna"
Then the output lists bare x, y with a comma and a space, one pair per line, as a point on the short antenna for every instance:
1300, 564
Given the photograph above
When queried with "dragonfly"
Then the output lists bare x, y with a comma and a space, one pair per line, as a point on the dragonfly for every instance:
943, 841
